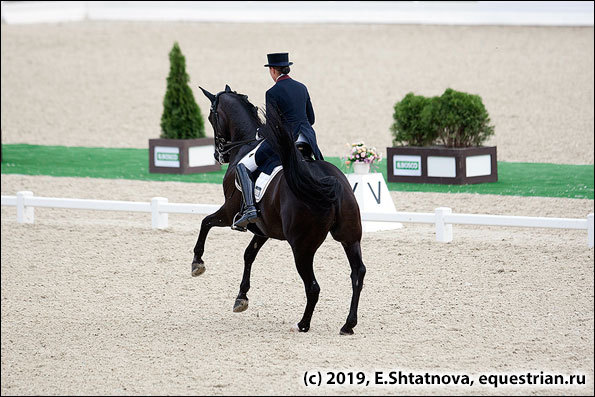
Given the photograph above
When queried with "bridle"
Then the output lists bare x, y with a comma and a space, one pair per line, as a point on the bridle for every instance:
222, 146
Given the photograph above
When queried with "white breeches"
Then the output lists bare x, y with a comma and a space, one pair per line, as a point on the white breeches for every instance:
249, 159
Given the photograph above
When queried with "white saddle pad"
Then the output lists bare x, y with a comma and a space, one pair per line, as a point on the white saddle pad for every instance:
262, 183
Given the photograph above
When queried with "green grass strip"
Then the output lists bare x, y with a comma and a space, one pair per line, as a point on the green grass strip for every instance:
109, 163
517, 179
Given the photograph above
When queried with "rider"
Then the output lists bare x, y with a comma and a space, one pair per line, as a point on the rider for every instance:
292, 101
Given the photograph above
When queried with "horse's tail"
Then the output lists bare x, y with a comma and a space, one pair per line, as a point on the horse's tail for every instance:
319, 192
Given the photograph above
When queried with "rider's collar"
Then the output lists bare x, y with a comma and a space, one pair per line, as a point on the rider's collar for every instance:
282, 77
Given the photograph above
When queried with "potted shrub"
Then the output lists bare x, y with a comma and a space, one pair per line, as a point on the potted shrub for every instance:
182, 147
439, 140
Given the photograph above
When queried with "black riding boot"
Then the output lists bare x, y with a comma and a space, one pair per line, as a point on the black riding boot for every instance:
250, 213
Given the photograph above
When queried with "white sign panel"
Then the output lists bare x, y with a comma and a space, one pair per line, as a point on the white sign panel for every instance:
441, 166
479, 165
167, 156
406, 165
199, 156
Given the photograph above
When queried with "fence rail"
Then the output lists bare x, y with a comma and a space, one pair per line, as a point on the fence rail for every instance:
159, 207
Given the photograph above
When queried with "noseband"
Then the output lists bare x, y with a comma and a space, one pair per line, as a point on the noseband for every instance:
222, 146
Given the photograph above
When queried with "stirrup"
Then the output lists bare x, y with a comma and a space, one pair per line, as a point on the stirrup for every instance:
233, 223
243, 213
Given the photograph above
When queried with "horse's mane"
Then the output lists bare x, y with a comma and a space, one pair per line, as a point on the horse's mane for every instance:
252, 110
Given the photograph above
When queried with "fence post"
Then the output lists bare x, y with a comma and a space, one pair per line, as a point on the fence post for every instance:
158, 220
443, 230
24, 214
590, 229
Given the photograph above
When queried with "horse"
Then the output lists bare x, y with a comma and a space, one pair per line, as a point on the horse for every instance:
303, 203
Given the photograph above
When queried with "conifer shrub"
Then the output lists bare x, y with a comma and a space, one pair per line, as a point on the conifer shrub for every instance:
181, 118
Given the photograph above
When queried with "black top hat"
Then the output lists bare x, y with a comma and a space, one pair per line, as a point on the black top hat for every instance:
278, 59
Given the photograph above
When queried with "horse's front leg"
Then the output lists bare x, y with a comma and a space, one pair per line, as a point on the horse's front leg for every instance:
220, 218
241, 302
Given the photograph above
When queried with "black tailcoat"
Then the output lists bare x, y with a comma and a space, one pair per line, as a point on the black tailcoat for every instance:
292, 101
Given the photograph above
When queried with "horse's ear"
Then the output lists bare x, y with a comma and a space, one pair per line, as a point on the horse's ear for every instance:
227, 89
208, 94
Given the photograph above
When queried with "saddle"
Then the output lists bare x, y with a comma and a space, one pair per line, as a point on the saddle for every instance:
261, 179
260, 186
262, 182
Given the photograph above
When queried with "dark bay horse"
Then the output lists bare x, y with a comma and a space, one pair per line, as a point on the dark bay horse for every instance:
303, 203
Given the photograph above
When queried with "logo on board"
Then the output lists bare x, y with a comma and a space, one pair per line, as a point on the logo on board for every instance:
168, 156
407, 165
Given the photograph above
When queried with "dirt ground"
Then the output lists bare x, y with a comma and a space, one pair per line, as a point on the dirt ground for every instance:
102, 84
97, 302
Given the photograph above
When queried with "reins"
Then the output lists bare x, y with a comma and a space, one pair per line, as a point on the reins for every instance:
229, 146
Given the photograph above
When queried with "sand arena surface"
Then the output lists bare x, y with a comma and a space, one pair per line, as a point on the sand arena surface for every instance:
102, 84
99, 303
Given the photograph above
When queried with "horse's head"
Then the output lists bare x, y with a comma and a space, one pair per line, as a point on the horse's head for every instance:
234, 120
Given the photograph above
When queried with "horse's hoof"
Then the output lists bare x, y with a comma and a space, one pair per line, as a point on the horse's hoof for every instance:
346, 331
198, 269
240, 305
297, 328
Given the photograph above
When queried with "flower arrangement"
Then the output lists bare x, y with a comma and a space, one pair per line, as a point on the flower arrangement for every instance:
360, 153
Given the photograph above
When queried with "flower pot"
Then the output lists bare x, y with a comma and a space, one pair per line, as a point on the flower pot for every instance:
182, 156
439, 164
361, 168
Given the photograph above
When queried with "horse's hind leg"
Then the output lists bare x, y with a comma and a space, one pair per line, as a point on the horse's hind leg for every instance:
241, 302
358, 271
218, 218
304, 263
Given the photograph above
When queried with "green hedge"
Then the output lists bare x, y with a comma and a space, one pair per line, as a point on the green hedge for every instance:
412, 124
454, 119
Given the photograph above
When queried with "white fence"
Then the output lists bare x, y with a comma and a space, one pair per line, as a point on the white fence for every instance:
159, 207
